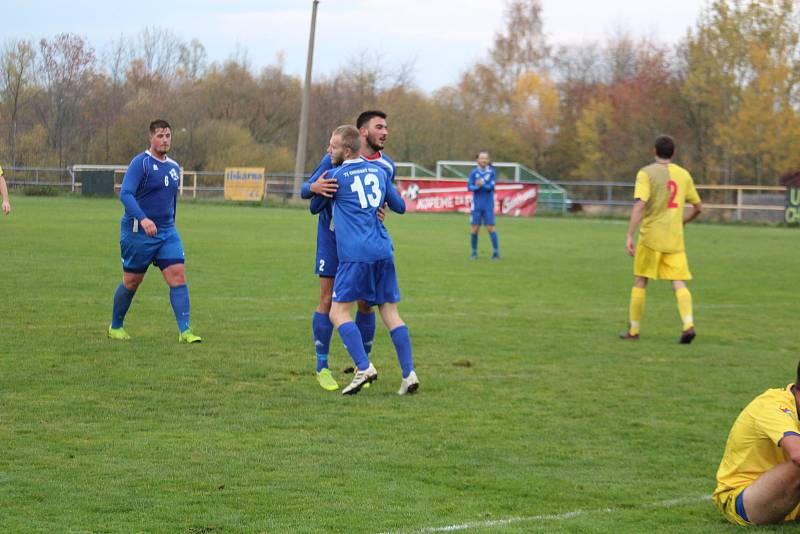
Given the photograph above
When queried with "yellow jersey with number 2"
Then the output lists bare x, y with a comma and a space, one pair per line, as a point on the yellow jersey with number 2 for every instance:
665, 188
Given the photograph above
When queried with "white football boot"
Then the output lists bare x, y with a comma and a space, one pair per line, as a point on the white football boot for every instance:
370, 374
409, 385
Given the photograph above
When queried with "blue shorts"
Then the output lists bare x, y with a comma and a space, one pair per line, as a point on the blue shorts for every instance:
373, 282
327, 258
139, 250
487, 215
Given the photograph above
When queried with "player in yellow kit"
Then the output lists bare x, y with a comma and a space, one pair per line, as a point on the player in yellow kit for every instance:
662, 191
6, 206
758, 480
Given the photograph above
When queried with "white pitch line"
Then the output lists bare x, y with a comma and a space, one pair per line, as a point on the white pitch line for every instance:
671, 503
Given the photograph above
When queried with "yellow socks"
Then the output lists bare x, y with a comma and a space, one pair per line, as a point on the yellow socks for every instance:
685, 307
636, 309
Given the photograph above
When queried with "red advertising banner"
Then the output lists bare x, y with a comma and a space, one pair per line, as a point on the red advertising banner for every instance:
514, 199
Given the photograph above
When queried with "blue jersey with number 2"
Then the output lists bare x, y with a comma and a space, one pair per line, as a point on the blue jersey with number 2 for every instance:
363, 188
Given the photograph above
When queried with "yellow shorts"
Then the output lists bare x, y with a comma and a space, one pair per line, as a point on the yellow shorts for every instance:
726, 503
649, 263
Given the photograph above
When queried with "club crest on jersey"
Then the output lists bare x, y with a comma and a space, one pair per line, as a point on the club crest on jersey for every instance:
787, 410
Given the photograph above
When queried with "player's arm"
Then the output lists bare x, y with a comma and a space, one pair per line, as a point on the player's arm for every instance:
318, 203
694, 199
697, 209
317, 184
130, 183
305, 190
4, 194
324, 186
394, 200
790, 443
488, 185
637, 214
471, 183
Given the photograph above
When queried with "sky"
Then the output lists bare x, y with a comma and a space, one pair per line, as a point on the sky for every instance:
441, 38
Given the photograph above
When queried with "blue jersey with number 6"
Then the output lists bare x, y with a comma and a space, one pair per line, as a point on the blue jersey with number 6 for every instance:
149, 190
363, 188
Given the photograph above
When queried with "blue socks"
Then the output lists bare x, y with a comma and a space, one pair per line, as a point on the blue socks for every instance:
495, 244
322, 329
122, 301
351, 338
179, 298
473, 239
402, 344
366, 325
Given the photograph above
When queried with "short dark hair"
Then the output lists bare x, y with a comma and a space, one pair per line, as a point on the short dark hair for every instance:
366, 116
159, 124
665, 146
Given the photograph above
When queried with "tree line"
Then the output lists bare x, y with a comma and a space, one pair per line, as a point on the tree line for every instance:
728, 91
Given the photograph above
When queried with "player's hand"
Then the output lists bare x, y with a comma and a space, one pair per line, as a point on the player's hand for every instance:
6, 208
479, 182
325, 187
149, 227
382, 212
629, 246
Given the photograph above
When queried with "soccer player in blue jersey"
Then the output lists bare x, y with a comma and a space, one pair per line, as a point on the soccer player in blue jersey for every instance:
366, 257
481, 183
147, 232
326, 264
374, 132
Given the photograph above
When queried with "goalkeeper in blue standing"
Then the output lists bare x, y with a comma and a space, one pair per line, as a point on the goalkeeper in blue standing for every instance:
147, 232
366, 257
481, 183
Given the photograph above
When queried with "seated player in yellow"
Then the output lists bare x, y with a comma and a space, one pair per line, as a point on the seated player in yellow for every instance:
662, 190
758, 480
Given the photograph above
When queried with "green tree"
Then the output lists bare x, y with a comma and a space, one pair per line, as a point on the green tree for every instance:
742, 88
16, 65
592, 128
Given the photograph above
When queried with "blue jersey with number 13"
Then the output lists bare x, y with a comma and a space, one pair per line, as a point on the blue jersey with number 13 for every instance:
363, 188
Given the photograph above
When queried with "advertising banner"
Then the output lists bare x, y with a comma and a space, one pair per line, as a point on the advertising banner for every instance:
792, 212
514, 199
244, 183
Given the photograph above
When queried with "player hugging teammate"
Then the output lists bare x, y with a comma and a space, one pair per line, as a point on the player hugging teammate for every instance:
355, 258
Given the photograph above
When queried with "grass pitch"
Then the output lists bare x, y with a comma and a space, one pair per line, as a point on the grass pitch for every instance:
531, 416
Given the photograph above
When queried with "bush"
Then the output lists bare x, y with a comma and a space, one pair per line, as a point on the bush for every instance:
41, 191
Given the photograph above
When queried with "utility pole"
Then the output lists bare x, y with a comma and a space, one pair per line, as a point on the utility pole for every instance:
302, 137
